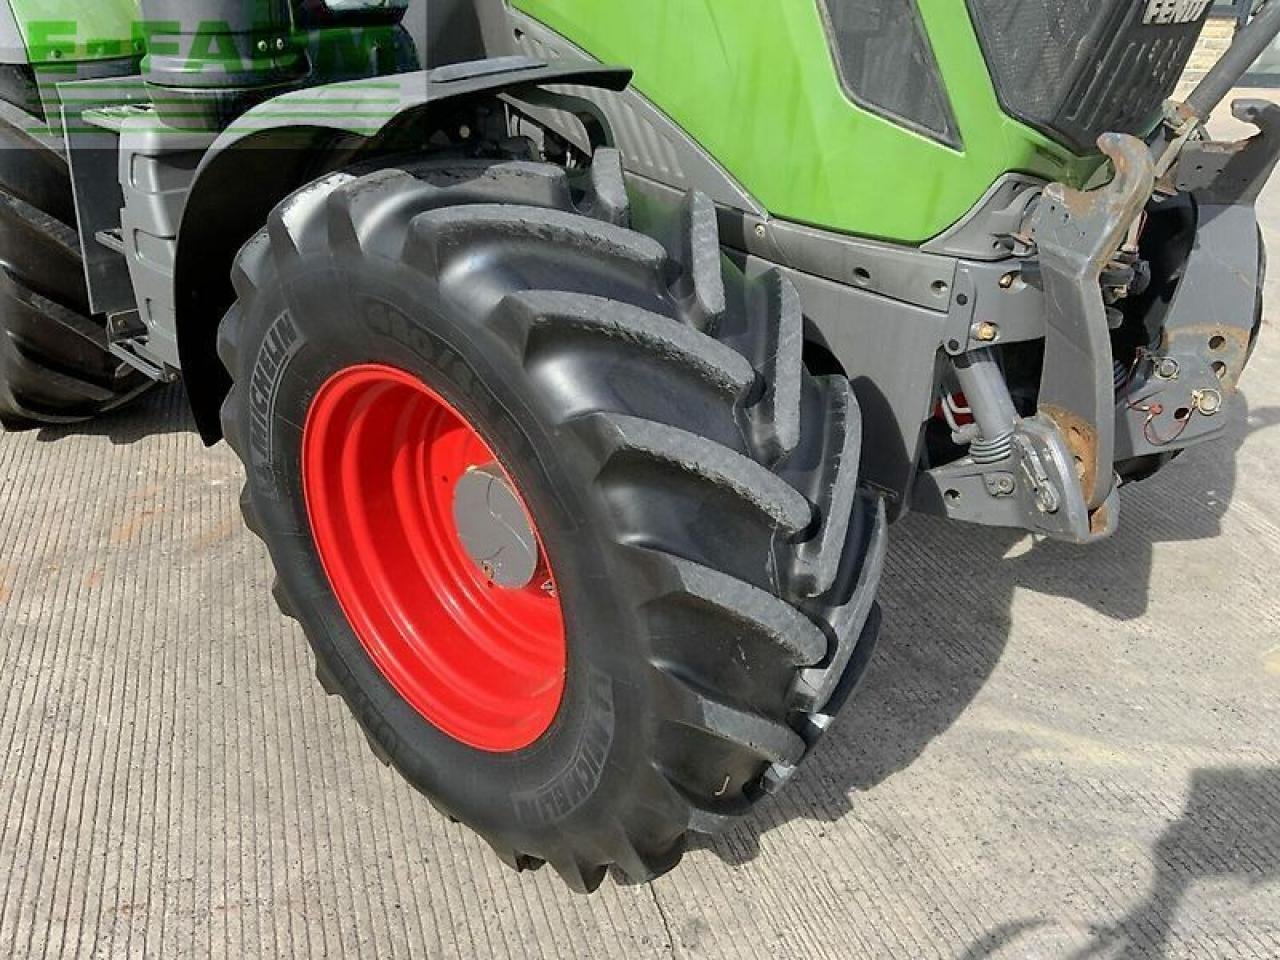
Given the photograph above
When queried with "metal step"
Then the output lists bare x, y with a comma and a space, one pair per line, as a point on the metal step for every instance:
114, 118
111, 239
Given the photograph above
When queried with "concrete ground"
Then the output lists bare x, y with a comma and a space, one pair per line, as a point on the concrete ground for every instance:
1059, 752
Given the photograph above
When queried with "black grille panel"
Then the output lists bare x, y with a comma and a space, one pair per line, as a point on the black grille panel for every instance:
1075, 69
887, 65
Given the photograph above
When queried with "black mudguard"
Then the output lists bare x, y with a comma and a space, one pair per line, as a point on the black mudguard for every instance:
279, 146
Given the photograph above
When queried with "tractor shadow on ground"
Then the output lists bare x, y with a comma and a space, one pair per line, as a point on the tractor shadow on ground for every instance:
1229, 830
947, 596
160, 411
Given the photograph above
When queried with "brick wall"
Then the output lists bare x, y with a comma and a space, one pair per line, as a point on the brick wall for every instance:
1213, 42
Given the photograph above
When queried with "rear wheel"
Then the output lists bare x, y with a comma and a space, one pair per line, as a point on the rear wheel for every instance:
566, 521
55, 366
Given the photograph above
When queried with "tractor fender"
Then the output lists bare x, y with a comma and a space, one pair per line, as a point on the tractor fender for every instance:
289, 141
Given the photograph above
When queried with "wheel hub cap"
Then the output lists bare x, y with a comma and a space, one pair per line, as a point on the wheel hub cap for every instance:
495, 529
434, 558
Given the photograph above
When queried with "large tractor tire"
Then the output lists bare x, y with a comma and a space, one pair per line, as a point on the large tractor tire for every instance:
55, 366
565, 519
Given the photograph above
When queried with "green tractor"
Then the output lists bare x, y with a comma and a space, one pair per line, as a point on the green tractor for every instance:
579, 355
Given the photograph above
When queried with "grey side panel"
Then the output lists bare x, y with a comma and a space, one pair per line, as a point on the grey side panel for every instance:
871, 335
13, 48
652, 144
996, 290
127, 239
901, 273
92, 153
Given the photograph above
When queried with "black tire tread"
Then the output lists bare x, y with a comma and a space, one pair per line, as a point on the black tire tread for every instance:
817, 561
700, 253
667, 339
607, 197
619, 435
437, 235
777, 328
816, 686
703, 710
790, 631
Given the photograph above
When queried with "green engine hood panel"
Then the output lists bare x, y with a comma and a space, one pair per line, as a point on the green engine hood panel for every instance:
67, 31
756, 85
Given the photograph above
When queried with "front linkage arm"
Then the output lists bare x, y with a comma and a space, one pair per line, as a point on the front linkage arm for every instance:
1051, 473
1077, 233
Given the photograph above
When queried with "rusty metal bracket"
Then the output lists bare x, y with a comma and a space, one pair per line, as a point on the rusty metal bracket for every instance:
1077, 233
1033, 488
1173, 396
1232, 173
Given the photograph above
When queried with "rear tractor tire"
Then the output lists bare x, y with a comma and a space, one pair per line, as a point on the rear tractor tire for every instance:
565, 519
55, 365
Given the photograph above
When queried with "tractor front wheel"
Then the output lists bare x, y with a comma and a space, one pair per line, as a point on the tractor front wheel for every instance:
565, 519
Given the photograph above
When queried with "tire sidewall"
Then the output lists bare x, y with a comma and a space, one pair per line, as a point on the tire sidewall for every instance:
319, 318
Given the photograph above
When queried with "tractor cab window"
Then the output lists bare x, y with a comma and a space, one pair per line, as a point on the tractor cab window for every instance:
887, 66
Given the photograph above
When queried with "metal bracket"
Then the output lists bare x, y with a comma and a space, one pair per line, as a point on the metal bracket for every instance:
1232, 173
1169, 403
542, 104
964, 301
126, 351
1077, 233
966, 329
1034, 488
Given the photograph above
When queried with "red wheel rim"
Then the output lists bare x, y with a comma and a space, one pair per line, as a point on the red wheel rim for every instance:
381, 455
